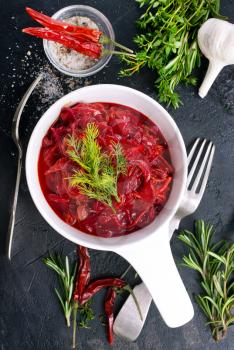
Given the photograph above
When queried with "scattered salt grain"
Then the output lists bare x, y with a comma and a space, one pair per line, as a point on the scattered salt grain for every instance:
53, 85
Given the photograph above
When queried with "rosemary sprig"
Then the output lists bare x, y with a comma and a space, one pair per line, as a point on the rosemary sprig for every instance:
168, 42
66, 276
98, 176
215, 265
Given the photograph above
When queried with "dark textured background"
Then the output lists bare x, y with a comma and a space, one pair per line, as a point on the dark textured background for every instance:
30, 316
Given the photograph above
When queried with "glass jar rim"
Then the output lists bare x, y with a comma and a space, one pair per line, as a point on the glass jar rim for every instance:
102, 62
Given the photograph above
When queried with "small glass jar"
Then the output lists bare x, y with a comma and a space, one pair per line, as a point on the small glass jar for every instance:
103, 25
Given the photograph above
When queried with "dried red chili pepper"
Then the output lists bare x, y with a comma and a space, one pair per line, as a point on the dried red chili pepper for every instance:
83, 33
109, 310
84, 290
83, 273
87, 48
96, 286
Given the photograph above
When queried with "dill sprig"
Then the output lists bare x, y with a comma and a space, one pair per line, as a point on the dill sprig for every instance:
215, 265
121, 164
86, 314
98, 175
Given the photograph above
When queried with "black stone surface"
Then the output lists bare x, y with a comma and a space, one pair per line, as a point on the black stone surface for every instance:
30, 316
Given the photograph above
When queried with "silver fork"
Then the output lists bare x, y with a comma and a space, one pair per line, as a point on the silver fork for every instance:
16, 138
128, 323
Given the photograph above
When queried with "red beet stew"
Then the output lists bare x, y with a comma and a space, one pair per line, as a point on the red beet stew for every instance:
105, 168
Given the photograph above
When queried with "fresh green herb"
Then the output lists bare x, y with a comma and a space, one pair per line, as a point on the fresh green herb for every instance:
215, 265
121, 164
66, 276
98, 177
168, 43
86, 314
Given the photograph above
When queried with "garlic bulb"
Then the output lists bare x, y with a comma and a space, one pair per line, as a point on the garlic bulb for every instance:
216, 41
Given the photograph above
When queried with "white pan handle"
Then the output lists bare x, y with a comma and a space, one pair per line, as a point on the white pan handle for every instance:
152, 259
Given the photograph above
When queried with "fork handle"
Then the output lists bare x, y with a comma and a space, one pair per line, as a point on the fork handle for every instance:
10, 231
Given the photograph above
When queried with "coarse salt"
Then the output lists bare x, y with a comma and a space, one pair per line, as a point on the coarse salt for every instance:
71, 59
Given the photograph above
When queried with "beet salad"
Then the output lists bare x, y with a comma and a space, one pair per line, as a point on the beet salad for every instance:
105, 168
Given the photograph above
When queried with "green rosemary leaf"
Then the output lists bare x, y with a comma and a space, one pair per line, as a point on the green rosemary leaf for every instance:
188, 261
230, 322
67, 268
212, 302
205, 306
51, 263
225, 308
60, 299
218, 286
216, 256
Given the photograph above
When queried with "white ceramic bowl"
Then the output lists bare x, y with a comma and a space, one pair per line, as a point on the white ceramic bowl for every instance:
148, 249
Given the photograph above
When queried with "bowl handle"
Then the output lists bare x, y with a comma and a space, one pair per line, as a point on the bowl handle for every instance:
152, 259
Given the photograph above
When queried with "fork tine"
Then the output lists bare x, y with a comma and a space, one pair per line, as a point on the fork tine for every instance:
190, 175
202, 167
192, 150
207, 172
